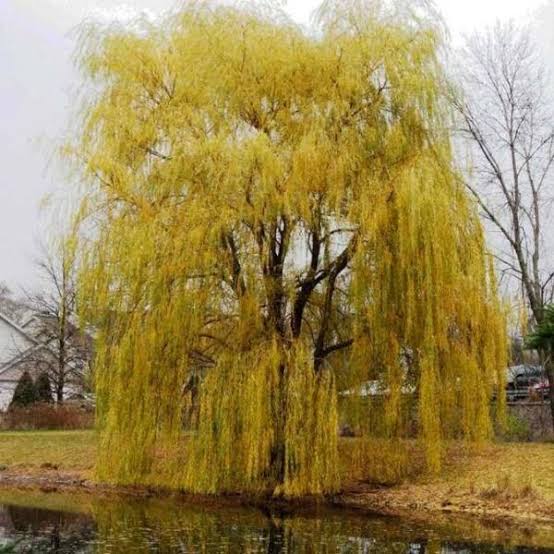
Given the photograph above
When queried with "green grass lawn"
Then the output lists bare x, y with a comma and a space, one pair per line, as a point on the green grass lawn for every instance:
498, 468
68, 450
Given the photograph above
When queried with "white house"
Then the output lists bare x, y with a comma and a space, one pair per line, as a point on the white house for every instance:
14, 343
22, 347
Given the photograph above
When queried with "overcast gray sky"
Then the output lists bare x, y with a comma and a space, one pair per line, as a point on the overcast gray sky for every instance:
37, 77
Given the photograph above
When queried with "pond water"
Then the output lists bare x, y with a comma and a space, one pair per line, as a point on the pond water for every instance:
104, 525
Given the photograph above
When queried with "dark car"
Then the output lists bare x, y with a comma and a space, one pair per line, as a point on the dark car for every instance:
526, 381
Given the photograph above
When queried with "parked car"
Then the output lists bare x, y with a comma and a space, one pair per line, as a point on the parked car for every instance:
526, 381
540, 390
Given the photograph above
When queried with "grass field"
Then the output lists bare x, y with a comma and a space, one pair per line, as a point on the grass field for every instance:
516, 465
498, 479
67, 450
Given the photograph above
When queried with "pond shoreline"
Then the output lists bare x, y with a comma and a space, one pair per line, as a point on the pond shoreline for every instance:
507, 485
136, 510
420, 502
506, 520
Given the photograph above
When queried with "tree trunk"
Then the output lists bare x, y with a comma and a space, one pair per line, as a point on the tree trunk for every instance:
59, 392
549, 367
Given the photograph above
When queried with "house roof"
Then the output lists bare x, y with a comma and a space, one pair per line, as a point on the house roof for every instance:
21, 356
35, 344
18, 328
36, 316
71, 323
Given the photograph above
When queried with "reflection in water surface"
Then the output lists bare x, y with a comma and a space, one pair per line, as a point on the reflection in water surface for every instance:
169, 526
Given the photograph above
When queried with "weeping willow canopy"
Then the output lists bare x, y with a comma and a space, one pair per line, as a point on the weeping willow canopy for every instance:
276, 239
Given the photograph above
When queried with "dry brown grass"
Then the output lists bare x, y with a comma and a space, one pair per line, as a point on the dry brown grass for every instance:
505, 489
36, 450
497, 480
514, 467
514, 479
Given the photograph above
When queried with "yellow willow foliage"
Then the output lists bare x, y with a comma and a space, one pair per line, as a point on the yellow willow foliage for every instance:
271, 227
439, 294
241, 406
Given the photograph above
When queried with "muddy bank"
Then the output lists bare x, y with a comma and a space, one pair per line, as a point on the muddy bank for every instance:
425, 502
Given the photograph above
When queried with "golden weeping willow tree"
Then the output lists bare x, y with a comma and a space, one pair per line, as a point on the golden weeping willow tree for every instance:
273, 224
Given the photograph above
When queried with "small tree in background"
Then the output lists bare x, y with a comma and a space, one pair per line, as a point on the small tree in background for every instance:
43, 388
55, 306
25, 392
507, 115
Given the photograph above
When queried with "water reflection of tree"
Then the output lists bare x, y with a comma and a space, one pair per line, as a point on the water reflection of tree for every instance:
42, 530
164, 526
159, 526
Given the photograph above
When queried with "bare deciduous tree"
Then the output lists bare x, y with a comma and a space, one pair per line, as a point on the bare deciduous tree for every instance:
506, 116
69, 350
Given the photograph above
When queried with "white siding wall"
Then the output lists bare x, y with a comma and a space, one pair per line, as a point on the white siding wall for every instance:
6, 393
11, 342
